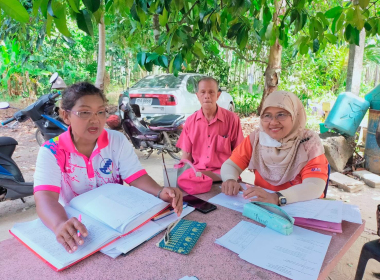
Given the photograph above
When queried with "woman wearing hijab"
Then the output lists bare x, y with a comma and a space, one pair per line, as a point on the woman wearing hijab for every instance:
285, 157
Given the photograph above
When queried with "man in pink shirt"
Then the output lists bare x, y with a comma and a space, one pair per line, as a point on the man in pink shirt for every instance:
210, 134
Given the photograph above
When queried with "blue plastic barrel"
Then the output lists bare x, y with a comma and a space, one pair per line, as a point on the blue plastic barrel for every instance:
347, 113
373, 97
372, 150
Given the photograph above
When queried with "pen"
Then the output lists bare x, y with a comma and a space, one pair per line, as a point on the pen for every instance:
80, 220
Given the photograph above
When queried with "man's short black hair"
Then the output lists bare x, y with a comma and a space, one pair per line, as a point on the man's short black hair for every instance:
209, 79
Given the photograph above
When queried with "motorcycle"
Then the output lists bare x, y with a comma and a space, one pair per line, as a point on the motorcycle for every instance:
156, 133
44, 113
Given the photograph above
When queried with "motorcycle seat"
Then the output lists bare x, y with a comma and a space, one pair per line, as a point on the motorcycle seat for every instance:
165, 120
7, 145
8, 141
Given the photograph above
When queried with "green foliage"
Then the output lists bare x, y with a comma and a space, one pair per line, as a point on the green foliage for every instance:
319, 76
245, 102
15, 10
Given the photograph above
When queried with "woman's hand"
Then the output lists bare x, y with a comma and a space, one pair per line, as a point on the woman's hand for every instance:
174, 196
231, 187
258, 194
67, 235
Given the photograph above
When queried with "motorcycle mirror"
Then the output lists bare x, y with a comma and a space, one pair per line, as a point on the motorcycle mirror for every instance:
53, 77
4, 105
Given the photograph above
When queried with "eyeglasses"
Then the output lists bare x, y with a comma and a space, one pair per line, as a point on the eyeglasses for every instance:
279, 117
168, 230
86, 115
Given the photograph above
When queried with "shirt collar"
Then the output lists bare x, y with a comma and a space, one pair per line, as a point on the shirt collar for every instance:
67, 144
219, 114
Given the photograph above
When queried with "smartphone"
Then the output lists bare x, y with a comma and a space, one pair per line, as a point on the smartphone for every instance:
199, 204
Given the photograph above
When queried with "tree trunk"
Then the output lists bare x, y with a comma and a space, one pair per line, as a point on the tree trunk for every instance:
272, 72
156, 28
355, 65
101, 55
376, 80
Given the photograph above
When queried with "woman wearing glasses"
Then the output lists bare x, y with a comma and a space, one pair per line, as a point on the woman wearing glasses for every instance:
285, 157
85, 157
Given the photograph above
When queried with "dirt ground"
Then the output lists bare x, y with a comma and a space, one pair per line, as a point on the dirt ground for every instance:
12, 212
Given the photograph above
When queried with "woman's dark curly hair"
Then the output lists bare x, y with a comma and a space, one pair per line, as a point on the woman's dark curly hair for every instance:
78, 90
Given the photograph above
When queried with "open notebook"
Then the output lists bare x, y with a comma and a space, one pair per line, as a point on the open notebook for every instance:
108, 212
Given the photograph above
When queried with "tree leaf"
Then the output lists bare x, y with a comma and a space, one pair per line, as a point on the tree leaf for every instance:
84, 22
367, 26
163, 19
303, 48
323, 20
50, 10
332, 38
312, 33
293, 16
149, 66
152, 57
141, 56
339, 24
267, 16
49, 23
60, 20
363, 3
178, 62
92, 5
332, 13
359, 20
163, 60
348, 32
315, 45
198, 50
98, 16
108, 5
15, 10
234, 30
355, 36
74, 5
134, 13
242, 38
36, 6
141, 14
179, 4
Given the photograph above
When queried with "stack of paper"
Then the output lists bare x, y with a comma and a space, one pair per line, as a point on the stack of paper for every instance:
316, 213
297, 256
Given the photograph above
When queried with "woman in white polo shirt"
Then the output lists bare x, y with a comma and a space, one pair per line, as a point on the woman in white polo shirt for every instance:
85, 157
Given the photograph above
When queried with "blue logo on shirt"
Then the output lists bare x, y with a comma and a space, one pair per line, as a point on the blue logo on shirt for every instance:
106, 166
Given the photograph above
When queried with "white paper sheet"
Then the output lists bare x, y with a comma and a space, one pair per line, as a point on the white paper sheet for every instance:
351, 213
139, 236
233, 202
318, 209
110, 212
239, 237
298, 256
43, 241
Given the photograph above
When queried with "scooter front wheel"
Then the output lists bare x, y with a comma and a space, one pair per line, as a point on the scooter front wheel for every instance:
39, 137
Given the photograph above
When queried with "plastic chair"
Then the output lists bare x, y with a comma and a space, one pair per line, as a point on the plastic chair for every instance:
327, 182
370, 250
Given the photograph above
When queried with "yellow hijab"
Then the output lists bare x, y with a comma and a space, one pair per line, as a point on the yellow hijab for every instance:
279, 165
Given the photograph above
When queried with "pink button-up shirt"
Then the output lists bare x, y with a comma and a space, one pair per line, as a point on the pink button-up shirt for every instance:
211, 144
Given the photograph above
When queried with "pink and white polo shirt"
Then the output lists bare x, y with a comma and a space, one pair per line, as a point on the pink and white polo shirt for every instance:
61, 168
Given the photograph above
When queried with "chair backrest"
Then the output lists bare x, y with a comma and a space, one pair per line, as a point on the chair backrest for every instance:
327, 182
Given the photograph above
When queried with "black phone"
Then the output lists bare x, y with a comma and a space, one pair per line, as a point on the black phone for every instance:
199, 204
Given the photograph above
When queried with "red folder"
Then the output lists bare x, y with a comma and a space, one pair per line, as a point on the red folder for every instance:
56, 269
